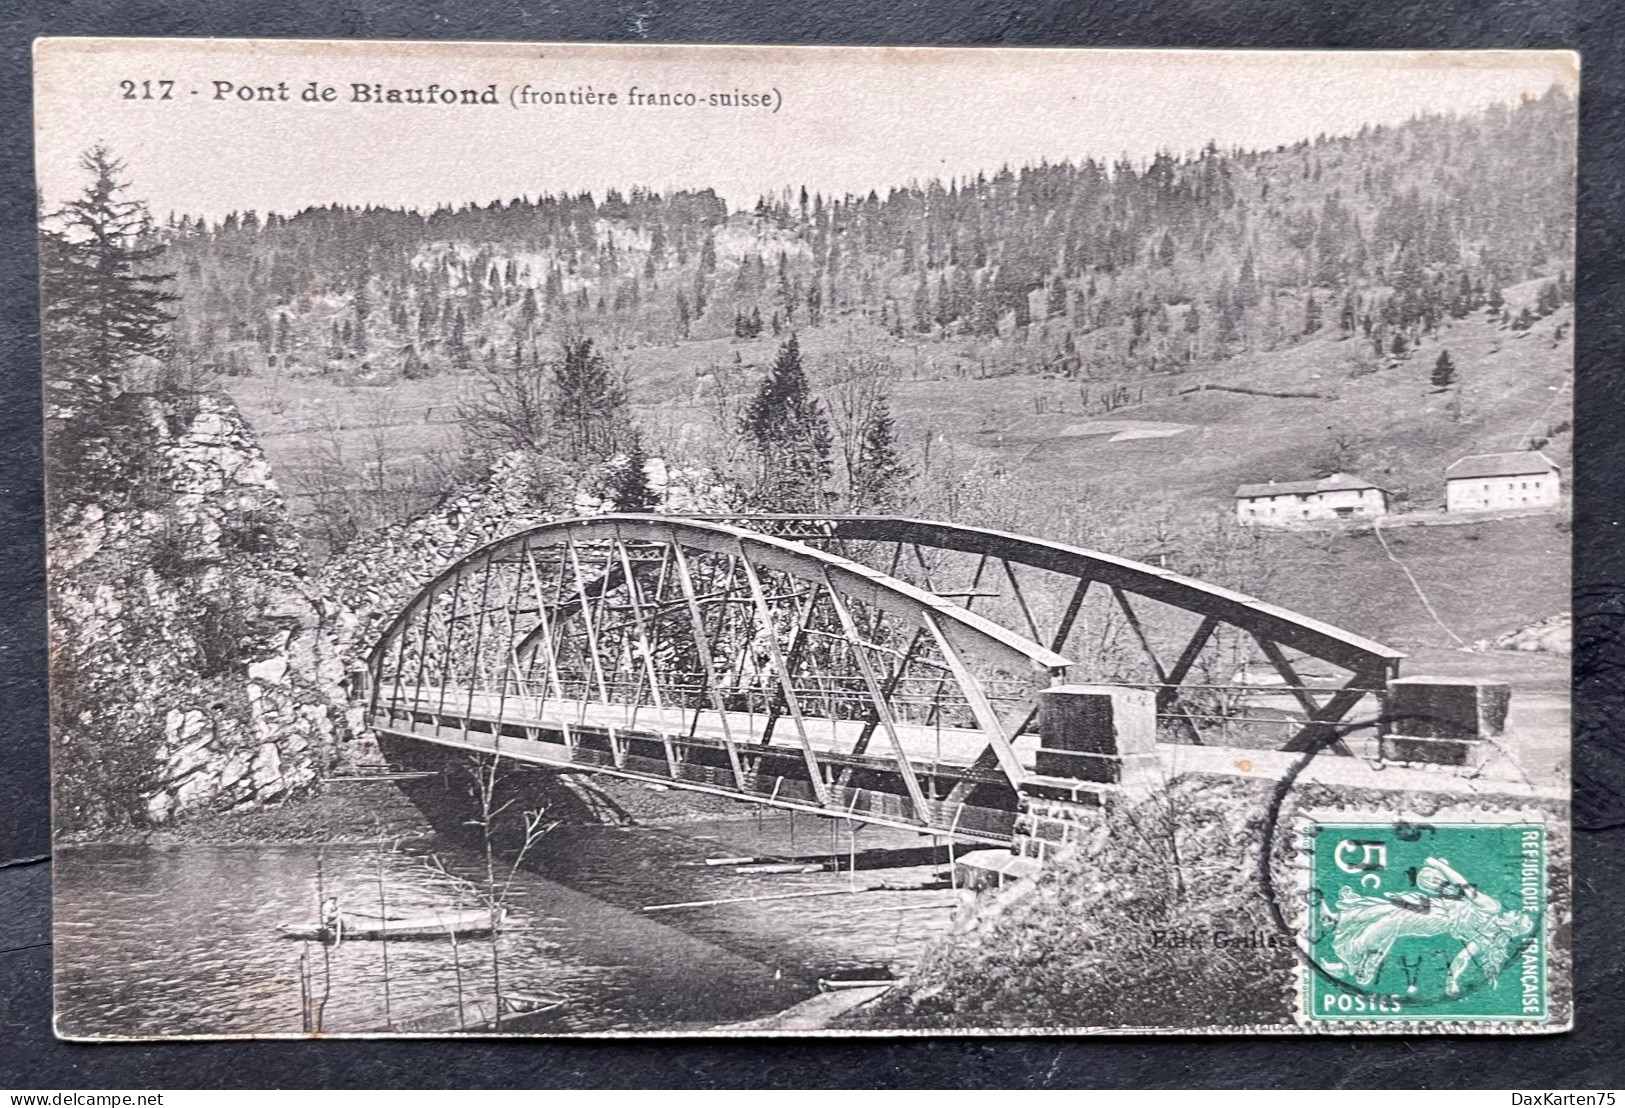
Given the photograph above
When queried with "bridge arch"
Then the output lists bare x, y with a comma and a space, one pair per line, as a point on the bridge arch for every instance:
721, 658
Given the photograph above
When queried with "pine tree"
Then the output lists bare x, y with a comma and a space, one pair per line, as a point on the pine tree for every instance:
1165, 250
458, 343
702, 293
1057, 299
413, 367
1349, 318
879, 475
1444, 371
589, 407
103, 308
786, 428
922, 306
631, 490
1311, 315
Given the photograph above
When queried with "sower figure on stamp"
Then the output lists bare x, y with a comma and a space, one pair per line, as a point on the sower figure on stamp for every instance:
1365, 928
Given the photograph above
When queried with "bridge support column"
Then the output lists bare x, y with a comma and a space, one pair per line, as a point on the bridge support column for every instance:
1094, 740
1443, 721
1099, 733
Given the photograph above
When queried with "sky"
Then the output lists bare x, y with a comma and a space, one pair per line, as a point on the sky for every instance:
838, 120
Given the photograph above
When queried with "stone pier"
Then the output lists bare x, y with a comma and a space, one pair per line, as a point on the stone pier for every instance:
1095, 741
1443, 721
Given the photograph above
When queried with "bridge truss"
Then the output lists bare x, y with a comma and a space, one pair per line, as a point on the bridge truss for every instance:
1228, 669
712, 657
772, 659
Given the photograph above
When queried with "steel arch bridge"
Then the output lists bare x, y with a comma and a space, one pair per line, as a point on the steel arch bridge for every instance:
771, 659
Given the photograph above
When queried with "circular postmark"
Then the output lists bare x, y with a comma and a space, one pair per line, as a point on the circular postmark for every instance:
1408, 919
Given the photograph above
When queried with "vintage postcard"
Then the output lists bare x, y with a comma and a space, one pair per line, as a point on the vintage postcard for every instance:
652, 540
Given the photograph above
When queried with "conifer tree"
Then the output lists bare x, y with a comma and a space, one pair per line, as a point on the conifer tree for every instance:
787, 430
1444, 371
590, 408
922, 305
102, 305
458, 343
701, 293
1165, 250
631, 490
1057, 299
879, 476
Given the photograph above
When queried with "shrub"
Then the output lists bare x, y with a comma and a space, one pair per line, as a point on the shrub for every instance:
1160, 921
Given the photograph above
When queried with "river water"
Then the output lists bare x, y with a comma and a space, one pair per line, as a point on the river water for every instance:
182, 940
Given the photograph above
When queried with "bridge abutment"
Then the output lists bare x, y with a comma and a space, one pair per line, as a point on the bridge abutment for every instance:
1094, 741
1443, 721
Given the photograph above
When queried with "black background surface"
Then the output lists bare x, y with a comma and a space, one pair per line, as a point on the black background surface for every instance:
1590, 1057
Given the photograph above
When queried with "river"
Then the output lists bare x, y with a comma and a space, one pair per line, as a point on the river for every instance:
181, 940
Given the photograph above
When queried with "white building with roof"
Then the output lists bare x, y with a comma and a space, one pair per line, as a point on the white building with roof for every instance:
1339, 496
1496, 482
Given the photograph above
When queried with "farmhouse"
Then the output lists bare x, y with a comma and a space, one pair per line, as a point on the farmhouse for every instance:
1490, 482
1339, 496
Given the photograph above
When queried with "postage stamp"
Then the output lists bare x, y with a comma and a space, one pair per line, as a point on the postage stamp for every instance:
1425, 921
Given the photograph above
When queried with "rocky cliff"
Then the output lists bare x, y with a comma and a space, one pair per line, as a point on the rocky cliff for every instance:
193, 666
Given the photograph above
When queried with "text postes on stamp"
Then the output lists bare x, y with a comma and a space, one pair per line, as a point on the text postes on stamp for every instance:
1425, 922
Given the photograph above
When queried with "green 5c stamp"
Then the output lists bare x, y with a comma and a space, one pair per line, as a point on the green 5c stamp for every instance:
1425, 921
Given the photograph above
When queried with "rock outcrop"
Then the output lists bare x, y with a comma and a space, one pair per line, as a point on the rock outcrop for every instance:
193, 666
378, 574
1552, 635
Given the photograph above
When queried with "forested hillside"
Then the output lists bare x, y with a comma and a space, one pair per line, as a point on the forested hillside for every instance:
1085, 289
1094, 270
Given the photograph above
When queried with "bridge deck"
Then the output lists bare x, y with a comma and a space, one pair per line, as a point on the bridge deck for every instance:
685, 749
927, 747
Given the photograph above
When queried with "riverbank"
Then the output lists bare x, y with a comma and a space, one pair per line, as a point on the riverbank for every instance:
335, 812
376, 811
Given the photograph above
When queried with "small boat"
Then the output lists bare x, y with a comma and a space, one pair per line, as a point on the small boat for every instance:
866, 977
470, 923
785, 867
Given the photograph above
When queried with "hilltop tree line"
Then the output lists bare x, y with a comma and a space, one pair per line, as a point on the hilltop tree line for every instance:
1088, 269
1094, 270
